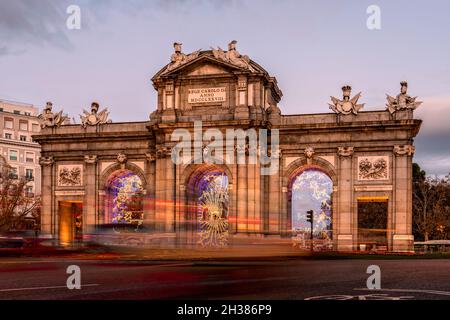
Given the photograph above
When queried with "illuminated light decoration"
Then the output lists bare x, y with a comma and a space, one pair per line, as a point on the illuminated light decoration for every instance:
311, 190
213, 207
127, 194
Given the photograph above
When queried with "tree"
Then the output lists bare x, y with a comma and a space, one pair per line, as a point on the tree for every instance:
431, 205
16, 203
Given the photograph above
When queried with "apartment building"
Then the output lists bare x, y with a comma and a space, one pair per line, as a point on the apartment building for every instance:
18, 122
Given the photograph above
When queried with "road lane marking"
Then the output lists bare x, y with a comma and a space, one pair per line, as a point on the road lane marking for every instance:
443, 293
46, 288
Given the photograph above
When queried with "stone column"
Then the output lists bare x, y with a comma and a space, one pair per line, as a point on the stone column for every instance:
251, 197
47, 226
149, 200
170, 193
403, 239
345, 235
258, 219
90, 203
233, 196
160, 193
274, 193
242, 213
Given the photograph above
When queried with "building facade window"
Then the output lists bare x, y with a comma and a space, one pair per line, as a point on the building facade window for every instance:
13, 155
29, 157
8, 136
9, 123
16, 112
14, 173
23, 125
23, 138
29, 191
29, 174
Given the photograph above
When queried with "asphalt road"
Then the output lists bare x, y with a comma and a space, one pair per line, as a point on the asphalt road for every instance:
26, 278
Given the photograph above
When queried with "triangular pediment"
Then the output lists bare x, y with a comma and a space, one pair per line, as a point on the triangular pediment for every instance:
204, 64
205, 68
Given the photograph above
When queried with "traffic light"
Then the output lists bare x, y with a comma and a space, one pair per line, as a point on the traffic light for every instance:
310, 216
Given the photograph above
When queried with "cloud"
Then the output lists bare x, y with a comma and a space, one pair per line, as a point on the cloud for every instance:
37, 23
433, 140
435, 113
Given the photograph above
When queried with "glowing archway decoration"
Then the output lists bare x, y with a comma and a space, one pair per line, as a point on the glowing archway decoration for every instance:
213, 210
126, 193
312, 190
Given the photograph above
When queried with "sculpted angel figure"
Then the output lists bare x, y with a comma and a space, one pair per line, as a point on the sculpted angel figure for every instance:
233, 56
94, 117
402, 101
346, 105
50, 119
178, 57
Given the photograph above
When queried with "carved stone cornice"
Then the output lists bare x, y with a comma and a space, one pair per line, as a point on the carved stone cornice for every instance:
46, 161
345, 151
405, 150
90, 159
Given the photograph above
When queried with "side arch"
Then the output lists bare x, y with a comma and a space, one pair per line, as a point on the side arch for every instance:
293, 171
106, 174
298, 166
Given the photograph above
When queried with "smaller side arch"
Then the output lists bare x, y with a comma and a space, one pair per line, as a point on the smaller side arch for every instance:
292, 172
106, 174
301, 164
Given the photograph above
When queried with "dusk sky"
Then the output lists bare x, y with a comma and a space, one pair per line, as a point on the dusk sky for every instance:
312, 47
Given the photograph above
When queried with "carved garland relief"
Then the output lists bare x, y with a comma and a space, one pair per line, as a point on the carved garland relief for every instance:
70, 175
373, 168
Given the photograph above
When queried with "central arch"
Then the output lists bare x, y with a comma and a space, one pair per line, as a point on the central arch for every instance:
208, 202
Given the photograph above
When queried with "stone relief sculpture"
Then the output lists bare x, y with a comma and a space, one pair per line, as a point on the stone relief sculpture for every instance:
309, 154
69, 176
49, 119
373, 168
94, 117
122, 160
402, 101
179, 58
233, 56
346, 105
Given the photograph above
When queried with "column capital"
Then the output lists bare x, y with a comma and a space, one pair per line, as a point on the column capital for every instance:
404, 150
163, 152
345, 151
151, 157
46, 161
90, 159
